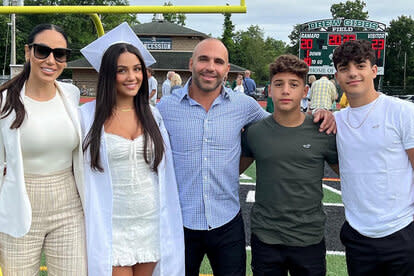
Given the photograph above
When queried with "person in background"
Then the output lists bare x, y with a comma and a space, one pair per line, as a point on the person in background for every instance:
344, 101
311, 80
249, 84
375, 139
269, 101
287, 219
42, 192
133, 217
323, 94
175, 82
166, 85
226, 82
337, 94
305, 101
239, 84
152, 87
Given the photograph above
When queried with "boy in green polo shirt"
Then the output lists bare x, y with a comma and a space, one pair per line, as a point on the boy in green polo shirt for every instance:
287, 218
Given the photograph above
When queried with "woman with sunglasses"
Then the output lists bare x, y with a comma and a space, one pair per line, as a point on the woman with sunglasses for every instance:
41, 192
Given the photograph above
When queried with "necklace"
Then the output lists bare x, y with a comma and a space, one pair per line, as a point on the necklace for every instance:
365, 118
124, 109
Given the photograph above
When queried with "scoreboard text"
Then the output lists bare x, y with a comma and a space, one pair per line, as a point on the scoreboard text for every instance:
316, 48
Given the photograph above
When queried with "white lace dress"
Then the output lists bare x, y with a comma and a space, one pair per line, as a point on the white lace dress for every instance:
135, 218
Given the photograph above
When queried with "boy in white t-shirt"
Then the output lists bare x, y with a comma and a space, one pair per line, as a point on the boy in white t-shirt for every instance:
375, 140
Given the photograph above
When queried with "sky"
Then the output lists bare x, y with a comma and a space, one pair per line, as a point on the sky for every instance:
275, 17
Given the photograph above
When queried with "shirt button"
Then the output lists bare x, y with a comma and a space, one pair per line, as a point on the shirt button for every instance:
205, 140
205, 158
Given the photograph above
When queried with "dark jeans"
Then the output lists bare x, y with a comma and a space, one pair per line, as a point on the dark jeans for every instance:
277, 259
392, 255
225, 248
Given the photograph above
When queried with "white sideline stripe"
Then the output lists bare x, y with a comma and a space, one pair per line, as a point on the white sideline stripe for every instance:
244, 176
334, 204
329, 252
337, 253
248, 183
331, 189
250, 196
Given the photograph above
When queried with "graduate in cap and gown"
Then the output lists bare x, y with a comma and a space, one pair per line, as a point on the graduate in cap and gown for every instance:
133, 217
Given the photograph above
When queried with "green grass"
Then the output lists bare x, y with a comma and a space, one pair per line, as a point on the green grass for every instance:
331, 197
43, 263
335, 265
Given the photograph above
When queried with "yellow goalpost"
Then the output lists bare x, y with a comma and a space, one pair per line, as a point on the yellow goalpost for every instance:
93, 11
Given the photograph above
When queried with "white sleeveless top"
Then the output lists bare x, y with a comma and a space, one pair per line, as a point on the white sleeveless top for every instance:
136, 214
47, 136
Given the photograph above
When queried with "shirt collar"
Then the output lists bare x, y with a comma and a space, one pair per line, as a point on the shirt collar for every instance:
184, 92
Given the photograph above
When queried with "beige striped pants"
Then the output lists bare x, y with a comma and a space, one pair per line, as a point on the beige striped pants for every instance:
57, 228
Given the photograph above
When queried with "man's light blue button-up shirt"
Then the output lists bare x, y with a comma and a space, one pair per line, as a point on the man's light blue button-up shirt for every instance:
206, 152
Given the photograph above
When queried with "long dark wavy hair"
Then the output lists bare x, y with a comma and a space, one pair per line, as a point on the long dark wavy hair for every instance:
15, 85
106, 102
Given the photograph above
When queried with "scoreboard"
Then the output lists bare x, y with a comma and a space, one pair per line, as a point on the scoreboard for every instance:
316, 48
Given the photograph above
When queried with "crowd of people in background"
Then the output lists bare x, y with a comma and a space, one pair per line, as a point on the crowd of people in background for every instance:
323, 93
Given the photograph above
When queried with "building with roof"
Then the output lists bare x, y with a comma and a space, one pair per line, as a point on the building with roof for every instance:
170, 44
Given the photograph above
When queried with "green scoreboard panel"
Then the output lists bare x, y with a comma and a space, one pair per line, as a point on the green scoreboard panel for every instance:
316, 49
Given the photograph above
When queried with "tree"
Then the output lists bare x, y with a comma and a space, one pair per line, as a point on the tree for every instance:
350, 9
254, 52
228, 34
176, 18
294, 40
78, 27
400, 44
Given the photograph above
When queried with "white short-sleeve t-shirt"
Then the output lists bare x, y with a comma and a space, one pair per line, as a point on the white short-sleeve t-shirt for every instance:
376, 174
152, 84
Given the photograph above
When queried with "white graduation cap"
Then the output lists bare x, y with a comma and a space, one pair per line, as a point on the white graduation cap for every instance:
120, 34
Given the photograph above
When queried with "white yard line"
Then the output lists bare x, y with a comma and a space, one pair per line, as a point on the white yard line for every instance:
248, 183
337, 253
244, 176
250, 196
331, 189
334, 204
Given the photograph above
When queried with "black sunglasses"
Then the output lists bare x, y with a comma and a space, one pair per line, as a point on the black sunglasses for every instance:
43, 51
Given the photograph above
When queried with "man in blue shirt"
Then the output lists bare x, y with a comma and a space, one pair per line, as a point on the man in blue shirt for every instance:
204, 120
249, 84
